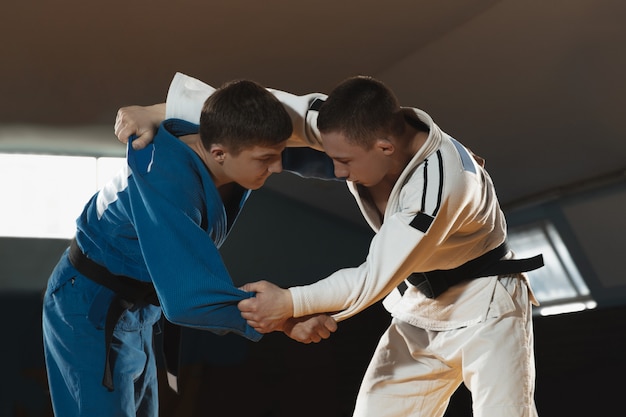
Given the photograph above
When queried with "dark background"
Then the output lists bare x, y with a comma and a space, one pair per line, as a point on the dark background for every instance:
580, 356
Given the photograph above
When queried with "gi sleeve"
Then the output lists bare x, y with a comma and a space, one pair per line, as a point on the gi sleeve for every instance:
186, 96
190, 278
351, 290
420, 235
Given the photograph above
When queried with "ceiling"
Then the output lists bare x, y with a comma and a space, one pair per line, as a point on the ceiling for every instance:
536, 87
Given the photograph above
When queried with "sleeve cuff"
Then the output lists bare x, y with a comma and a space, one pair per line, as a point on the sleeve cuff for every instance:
186, 97
297, 298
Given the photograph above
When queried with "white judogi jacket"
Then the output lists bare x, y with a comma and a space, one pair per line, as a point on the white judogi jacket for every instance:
442, 212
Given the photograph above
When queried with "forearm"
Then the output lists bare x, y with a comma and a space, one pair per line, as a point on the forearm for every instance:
157, 112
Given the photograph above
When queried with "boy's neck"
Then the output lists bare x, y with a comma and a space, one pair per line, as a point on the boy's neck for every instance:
406, 147
214, 168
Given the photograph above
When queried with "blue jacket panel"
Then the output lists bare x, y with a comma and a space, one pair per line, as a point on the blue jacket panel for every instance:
161, 219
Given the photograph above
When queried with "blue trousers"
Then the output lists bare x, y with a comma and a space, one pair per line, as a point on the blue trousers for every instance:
74, 311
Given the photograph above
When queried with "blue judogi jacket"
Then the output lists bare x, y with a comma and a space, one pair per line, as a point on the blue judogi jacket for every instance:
162, 220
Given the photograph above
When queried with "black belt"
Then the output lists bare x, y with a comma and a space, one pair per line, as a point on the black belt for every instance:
129, 292
434, 283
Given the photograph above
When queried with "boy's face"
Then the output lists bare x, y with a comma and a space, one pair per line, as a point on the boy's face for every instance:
353, 162
252, 166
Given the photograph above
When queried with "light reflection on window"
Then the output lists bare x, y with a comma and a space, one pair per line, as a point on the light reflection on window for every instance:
558, 285
42, 195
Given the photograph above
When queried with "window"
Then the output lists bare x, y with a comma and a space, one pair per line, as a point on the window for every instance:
43, 194
558, 285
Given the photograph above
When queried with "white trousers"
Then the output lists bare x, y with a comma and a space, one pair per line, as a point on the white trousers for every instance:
414, 371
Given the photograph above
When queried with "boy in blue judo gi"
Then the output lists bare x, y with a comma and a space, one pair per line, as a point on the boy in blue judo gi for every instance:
147, 243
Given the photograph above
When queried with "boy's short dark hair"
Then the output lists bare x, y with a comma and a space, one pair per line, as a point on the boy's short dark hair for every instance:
362, 109
243, 114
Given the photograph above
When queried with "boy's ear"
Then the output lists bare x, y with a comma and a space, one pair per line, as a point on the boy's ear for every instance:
217, 152
384, 145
